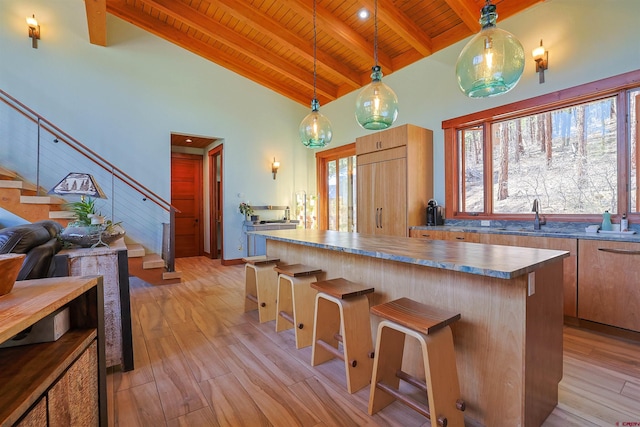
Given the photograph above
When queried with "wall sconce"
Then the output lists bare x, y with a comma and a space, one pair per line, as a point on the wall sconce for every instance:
541, 56
274, 167
34, 31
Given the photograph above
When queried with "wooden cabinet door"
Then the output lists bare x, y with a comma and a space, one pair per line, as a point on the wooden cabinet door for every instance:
569, 265
73, 400
367, 219
391, 197
609, 274
384, 140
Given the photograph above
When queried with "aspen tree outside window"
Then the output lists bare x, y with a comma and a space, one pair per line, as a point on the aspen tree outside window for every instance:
576, 155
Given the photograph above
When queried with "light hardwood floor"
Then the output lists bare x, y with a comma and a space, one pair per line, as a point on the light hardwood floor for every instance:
201, 361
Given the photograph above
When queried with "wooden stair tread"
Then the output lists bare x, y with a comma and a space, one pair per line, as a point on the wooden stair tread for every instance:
414, 315
61, 215
297, 270
42, 200
152, 261
20, 185
342, 288
135, 250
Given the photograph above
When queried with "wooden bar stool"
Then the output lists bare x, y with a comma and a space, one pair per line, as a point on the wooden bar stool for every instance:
295, 301
261, 286
342, 316
430, 326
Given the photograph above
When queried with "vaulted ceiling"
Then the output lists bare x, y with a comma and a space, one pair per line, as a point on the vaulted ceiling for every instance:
271, 41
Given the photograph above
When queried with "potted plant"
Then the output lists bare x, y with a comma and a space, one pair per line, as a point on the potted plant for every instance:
90, 228
246, 210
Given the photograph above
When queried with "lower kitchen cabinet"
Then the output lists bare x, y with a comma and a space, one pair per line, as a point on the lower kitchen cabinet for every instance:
433, 234
569, 266
609, 274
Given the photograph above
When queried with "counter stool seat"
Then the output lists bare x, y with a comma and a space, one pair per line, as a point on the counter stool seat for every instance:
261, 286
295, 301
430, 326
342, 316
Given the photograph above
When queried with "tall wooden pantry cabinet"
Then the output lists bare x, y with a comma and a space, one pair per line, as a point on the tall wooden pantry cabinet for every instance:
395, 179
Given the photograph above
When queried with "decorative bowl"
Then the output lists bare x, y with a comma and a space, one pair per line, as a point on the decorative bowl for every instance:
10, 265
87, 236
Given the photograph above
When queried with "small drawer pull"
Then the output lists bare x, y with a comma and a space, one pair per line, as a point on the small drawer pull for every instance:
620, 251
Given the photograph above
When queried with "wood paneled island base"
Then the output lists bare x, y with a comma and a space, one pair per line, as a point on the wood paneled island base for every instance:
509, 340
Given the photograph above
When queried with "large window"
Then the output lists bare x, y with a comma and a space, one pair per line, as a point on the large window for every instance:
337, 188
574, 151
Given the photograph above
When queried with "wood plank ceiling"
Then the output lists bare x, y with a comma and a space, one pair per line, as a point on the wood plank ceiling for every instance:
271, 41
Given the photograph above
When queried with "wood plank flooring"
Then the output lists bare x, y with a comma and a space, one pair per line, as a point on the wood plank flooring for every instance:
201, 361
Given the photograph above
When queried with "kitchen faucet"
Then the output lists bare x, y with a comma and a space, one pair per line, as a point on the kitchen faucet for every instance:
536, 220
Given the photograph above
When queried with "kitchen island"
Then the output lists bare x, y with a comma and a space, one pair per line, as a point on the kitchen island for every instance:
509, 340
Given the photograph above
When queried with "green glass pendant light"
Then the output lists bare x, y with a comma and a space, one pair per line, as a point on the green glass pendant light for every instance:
377, 103
315, 129
492, 62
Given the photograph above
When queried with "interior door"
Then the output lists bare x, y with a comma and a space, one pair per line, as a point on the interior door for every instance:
215, 202
186, 196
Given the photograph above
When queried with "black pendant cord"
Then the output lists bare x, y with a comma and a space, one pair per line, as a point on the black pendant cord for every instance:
314, 50
375, 32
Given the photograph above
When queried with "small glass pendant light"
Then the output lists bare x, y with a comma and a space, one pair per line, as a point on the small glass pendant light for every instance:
492, 62
315, 129
377, 103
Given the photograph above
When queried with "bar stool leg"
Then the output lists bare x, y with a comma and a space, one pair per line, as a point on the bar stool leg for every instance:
385, 366
303, 310
326, 330
296, 298
250, 287
266, 290
441, 373
284, 304
357, 343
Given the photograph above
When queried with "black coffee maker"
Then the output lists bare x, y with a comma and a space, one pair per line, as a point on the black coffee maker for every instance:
435, 213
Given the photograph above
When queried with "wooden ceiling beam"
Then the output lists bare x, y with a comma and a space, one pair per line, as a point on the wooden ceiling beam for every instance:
274, 30
129, 14
468, 12
97, 21
191, 17
402, 25
340, 31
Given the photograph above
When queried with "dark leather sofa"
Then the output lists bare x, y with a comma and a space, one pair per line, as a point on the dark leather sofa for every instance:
39, 241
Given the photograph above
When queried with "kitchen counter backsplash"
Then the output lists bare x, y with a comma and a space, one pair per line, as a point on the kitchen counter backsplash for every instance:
525, 228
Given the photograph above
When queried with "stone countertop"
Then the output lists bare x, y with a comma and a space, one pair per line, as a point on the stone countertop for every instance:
525, 228
504, 262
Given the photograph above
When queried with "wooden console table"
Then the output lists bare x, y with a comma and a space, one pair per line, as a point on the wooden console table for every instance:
112, 264
61, 382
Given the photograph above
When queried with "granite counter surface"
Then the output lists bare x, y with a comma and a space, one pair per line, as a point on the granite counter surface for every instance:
504, 262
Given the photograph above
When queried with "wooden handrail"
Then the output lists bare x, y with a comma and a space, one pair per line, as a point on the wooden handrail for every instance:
87, 152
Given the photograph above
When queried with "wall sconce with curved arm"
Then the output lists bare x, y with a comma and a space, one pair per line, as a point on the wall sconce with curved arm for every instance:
34, 30
541, 56
274, 167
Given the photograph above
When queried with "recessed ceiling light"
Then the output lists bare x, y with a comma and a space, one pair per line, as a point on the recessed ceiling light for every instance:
188, 141
363, 14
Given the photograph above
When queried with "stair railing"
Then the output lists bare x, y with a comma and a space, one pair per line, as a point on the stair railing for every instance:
61, 151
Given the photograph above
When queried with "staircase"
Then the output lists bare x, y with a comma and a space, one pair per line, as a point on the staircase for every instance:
19, 197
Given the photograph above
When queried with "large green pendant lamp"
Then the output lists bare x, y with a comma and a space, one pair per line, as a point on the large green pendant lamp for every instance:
315, 129
492, 62
377, 103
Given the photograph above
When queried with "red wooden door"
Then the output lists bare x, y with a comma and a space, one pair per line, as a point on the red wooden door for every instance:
186, 196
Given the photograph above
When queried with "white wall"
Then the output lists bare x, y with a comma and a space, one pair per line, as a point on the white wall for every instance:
126, 99
587, 40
